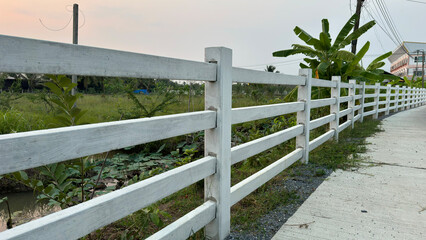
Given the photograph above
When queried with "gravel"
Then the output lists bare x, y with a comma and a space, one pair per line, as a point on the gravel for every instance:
303, 181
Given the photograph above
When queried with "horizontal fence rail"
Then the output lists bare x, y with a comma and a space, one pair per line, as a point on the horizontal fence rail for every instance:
322, 102
249, 149
188, 224
59, 144
248, 185
242, 75
246, 114
79, 220
36, 56
26, 150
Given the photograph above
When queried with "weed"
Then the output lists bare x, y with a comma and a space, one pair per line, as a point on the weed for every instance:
344, 154
319, 172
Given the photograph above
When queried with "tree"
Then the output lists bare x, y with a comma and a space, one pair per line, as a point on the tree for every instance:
271, 68
328, 59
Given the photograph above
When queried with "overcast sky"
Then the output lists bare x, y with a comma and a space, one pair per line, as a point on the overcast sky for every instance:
253, 29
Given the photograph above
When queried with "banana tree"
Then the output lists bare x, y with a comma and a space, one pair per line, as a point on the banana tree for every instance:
351, 69
407, 82
328, 59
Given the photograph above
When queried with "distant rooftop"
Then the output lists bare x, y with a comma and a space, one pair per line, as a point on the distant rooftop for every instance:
410, 47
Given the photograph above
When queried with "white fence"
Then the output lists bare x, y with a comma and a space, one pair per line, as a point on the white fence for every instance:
21, 151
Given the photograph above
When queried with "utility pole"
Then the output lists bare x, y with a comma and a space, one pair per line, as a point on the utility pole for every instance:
357, 12
416, 59
74, 39
423, 68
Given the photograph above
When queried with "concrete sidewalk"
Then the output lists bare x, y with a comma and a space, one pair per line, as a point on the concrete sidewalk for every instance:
386, 200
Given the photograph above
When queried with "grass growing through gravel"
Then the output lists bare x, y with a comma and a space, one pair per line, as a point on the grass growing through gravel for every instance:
345, 153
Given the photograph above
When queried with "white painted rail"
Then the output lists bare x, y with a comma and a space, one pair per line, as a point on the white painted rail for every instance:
246, 150
36, 56
36, 148
79, 220
246, 114
26, 150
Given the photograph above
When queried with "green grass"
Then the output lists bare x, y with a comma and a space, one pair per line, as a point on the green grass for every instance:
35, 114
345, 153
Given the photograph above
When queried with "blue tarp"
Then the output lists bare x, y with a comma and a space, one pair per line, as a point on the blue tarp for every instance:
143, 91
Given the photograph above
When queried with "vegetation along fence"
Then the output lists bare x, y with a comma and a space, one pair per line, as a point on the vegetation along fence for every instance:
26, 150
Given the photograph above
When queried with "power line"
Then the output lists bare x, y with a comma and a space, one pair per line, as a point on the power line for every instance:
383, 28
378, 38
68, 23
55, 30
383, 11
379, 21
80, 11
416, 1
273, 63
387, 21
392, 23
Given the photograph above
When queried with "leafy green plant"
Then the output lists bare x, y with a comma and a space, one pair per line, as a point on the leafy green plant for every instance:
9, 220
139, 221
408, 82
188, 153
328, 59
65, 184
68, 114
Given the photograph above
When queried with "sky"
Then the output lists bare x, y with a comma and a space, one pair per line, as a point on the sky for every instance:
253, 29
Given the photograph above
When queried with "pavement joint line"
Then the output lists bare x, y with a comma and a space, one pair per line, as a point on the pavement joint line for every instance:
395, 165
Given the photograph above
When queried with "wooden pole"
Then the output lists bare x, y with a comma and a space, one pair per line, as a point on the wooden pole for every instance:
358, 12
74, 39
423, 68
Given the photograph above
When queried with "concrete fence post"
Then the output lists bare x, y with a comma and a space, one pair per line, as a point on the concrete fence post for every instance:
335, 108
396, 104
409, 92
362, 100
423, 96
304, 117
404, 91
417, 97
376, 100
351, 103
414, 97
218, 97
388, 93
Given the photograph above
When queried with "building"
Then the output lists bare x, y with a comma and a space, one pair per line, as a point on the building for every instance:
406, 60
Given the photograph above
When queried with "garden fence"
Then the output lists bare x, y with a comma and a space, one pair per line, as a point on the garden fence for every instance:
26, 150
